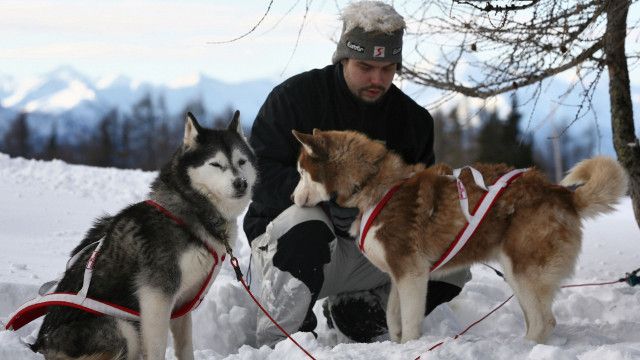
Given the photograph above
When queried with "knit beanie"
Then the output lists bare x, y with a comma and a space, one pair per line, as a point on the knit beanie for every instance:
371, 30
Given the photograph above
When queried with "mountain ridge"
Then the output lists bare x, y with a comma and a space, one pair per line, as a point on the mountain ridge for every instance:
67, 93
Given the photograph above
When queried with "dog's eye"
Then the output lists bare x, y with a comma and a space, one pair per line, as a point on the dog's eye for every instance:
242, 162
216, 164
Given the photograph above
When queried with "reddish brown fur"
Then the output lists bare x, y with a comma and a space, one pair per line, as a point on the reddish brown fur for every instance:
535, 224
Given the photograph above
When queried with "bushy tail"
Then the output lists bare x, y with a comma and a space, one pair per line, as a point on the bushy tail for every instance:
602, 182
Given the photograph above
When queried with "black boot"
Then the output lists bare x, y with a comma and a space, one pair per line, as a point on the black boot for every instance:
359, 316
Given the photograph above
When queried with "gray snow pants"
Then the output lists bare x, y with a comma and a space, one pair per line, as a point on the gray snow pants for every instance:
299, 260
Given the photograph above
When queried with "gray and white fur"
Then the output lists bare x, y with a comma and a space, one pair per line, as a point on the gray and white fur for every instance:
150, 264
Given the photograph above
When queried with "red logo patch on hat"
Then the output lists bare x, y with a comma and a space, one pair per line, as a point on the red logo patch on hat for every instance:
378, 51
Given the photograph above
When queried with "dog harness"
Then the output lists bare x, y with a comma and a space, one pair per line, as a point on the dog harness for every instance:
38, 307
492, 193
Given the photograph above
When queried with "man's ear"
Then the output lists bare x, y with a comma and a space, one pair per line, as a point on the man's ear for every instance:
314, 145
191, 130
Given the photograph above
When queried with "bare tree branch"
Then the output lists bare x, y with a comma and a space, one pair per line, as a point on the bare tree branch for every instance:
295, 47
487, 90
248, 32
491, 7
492, 47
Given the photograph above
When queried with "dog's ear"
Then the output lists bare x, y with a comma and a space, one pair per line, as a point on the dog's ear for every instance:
312, 144
235, 124
191, 130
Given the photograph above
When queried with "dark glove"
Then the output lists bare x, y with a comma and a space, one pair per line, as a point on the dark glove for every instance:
342, 218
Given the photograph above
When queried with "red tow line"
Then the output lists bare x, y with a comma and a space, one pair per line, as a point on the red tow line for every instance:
625, 279
234, 263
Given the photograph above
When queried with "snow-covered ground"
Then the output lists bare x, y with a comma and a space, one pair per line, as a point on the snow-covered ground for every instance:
46, 207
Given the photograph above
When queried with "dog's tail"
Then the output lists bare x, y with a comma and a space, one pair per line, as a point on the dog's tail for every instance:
601, 183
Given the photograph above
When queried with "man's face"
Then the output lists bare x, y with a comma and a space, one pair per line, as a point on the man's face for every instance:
368, 80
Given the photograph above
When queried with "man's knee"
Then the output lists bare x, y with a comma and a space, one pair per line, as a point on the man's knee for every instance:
303, 251
294, 215
298, 241
291, 223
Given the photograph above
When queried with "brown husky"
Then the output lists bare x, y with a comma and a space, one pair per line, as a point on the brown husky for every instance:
533, 229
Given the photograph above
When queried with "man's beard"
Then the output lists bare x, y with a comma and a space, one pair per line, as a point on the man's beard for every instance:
362, 91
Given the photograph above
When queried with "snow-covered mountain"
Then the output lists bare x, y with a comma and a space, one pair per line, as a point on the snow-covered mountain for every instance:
69, 96
75, 103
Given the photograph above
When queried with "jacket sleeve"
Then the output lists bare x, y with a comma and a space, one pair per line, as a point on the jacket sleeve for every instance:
427, 156
424, 140
276, 150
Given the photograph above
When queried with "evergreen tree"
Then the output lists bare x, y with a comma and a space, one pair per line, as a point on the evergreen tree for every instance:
103, 148
52, 148
17, 138
142, 124
197, 108
518, 148
221, 119
453, 142
490, 139
125, 153
501, 141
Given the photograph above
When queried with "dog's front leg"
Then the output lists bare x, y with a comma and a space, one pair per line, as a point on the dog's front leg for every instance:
155, 313
394, 323
182, 337
412, 290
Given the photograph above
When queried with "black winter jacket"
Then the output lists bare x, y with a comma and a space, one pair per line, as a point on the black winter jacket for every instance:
321, 99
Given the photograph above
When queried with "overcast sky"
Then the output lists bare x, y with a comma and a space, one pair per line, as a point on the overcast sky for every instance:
169, 41
162, 41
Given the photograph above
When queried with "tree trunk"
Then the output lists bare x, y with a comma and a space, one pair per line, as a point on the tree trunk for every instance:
624, 138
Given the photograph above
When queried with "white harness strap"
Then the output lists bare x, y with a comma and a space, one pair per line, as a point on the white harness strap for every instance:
38, 307
473, 221
462, 191
88, 270
49, 286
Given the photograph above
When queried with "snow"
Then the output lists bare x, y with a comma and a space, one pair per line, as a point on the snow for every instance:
21, 91
185, 81
47, 207
372, 16
67, 98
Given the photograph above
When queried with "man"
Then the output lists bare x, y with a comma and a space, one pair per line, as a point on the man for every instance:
305, 254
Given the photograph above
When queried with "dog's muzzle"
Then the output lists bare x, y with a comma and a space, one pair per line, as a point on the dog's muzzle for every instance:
240, 186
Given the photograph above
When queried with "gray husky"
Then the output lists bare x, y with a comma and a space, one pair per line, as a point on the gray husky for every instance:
156, 255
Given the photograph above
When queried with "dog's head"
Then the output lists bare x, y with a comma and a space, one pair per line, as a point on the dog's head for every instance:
219, 162
335, 163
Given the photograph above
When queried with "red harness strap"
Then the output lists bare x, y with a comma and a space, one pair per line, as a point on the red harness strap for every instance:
374, 214
38, 307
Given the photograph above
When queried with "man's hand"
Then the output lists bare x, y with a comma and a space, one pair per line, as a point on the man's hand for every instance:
342, 218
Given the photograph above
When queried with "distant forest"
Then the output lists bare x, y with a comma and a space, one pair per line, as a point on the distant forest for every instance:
500, 140
142, 138
145, 137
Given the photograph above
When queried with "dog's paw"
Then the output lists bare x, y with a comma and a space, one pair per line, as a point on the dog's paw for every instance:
395, 335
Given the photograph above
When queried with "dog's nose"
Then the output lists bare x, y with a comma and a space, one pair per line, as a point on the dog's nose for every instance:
240, 184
